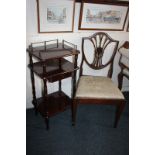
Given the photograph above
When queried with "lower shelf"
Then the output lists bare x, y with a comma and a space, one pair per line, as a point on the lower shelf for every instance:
56, 102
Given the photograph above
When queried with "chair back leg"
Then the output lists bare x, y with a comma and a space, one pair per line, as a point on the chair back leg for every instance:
119, 110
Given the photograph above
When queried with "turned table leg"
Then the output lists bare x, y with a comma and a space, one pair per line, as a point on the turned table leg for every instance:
74, 76
34, 101
74, 103
46, 103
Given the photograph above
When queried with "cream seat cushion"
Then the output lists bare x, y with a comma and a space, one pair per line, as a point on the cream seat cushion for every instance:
125, 61
126, 72
125, 54
97, 87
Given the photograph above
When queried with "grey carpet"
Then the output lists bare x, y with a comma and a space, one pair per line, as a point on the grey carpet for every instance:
93, 134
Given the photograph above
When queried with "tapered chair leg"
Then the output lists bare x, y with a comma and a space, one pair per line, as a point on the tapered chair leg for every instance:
119, 110
74, 109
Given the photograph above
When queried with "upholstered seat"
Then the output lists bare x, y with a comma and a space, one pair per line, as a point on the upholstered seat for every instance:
124, 63
124, 52
125, 56
97, 87
126, 72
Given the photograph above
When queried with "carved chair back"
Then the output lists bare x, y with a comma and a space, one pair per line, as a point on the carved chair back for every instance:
100, 42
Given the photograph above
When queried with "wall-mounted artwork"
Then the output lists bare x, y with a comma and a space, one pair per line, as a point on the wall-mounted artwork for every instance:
55, 15
102, 16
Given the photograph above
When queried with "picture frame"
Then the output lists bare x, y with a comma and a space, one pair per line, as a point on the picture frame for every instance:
55, 16
108, 16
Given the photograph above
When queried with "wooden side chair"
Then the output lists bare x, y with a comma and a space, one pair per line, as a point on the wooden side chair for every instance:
98, 89
123, 63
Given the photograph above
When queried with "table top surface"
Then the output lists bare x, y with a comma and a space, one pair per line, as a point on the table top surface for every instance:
52, 51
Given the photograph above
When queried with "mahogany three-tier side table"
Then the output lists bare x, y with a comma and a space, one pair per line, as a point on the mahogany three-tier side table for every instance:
48, 62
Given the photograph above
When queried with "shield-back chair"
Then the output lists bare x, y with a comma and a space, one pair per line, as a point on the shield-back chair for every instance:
98, 89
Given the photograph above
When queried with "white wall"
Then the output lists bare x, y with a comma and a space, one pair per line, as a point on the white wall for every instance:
75, 37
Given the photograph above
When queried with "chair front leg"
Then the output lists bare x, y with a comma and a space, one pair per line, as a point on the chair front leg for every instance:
74, 110
119, 110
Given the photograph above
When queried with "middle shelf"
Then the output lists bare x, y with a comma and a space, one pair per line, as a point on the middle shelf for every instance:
55, 70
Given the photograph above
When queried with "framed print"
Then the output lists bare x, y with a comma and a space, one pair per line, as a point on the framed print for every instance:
55, 15
103, 16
